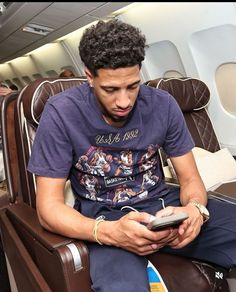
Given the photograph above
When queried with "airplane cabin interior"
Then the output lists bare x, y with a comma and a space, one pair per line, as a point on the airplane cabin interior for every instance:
191, 53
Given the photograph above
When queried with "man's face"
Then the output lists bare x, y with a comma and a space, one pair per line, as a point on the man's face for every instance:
116, 91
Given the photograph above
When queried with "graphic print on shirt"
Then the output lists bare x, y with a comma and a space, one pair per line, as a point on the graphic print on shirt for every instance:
116, 175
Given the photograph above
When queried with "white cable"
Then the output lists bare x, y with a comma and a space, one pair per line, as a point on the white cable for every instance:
162, 202
129, 207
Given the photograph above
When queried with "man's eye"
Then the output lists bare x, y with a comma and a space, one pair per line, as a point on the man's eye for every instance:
109, 90
134, 87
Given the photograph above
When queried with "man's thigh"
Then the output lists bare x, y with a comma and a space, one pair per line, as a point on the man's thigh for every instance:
114, 269
216, 243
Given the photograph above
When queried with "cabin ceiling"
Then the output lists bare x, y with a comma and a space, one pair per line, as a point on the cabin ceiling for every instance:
62, 17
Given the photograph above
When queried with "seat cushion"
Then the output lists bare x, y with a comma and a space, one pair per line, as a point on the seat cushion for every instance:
216, 168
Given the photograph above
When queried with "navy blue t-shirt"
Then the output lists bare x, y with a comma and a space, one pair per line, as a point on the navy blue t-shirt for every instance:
116, 166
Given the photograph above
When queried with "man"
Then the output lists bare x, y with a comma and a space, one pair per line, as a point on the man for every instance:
4, 89
113, 112
66, 73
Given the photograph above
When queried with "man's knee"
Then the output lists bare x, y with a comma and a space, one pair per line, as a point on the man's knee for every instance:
114, 269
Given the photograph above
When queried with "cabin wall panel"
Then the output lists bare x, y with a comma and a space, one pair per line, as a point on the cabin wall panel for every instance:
185, 39
210, 49
205, 38
162, 57
51, 57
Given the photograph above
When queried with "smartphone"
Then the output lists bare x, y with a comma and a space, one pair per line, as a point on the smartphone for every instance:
163, 222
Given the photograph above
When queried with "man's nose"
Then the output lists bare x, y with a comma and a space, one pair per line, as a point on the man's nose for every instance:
123, 100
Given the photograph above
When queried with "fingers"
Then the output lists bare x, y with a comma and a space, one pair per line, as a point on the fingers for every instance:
160, 241
141, 217
149, 249
184, 238
165, 212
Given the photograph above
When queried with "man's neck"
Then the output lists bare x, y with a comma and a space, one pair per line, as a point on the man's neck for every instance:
112, 123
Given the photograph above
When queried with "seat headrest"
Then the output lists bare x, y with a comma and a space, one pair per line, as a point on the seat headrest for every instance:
35, 95
190, 93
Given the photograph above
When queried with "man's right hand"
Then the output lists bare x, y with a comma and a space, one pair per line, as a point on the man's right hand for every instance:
130, 233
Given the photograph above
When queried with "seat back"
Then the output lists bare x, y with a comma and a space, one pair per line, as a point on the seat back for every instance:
39, 260
10, 157
24, 271
193, 96
30, 105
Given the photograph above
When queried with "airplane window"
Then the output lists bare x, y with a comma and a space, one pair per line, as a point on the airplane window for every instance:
52, 73
26, 79
17, 82
226, 86
37, 76
8, 82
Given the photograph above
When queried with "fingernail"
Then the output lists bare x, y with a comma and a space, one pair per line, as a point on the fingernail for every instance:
154, 246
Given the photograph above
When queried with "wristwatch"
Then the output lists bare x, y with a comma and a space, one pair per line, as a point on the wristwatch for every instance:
202, 209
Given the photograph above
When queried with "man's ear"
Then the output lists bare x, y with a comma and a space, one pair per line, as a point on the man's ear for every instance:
89, 76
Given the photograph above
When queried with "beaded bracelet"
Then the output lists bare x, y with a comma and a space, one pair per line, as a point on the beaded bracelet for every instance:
95, 230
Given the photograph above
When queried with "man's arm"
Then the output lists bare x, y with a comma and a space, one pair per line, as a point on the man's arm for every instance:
126, 233
55, 215
191, 185
192, 189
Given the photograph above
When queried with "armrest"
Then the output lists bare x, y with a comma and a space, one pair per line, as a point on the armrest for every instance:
227, 189
22, 214
63, 262
224, 193
169, 178
171, 181
26, 274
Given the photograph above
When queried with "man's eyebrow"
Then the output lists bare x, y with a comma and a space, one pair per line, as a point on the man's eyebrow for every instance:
117, 87
134, 83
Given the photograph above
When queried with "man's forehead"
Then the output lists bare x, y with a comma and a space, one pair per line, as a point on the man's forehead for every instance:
118, 77
118, 71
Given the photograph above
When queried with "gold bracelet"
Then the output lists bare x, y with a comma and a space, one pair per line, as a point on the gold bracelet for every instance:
95, 230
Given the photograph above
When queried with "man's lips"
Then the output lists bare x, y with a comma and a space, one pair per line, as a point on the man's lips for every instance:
122, 113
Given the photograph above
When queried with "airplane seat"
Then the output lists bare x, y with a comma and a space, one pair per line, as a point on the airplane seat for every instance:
5, 196
8, 137
193, 97
39, 260
60, 263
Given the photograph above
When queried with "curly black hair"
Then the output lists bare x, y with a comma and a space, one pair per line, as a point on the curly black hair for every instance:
113, 44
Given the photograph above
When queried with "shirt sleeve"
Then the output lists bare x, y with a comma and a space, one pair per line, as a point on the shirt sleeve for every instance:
178, 139
52, 151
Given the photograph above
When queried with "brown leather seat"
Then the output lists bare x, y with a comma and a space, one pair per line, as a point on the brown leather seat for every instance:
40, 260
59, 263
7, 106
193, 96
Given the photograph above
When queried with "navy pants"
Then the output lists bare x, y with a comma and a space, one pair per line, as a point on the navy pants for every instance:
114, 269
